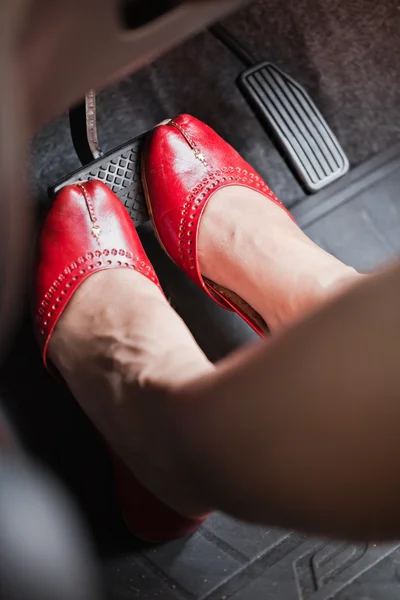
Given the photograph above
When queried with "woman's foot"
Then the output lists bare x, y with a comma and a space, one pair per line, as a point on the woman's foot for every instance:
226, 229
104, 324
264, 257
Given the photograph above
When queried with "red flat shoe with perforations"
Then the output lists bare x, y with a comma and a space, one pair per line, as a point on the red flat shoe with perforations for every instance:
184, 163
86, 231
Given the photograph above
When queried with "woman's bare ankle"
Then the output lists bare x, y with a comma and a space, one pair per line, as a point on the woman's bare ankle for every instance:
249, 245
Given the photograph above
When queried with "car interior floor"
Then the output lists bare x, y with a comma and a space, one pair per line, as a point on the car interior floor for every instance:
346, 55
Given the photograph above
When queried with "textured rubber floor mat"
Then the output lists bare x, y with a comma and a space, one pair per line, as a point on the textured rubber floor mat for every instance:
120, 170
299, 129
227, 559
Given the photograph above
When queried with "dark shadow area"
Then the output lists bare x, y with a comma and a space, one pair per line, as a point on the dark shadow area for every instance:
137, 13
55, 431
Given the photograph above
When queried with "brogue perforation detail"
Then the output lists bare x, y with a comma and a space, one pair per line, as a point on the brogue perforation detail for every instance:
200, 194
61, 287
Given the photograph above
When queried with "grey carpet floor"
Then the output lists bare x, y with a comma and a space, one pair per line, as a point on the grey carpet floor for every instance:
345, 53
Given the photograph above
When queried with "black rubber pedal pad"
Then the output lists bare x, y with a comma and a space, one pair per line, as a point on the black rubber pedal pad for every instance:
120, 170
290, 116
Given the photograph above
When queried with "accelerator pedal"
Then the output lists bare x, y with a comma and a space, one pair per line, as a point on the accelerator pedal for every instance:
292, 119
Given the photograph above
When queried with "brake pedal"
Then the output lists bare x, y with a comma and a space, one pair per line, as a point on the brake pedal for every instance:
292, 119
120, 170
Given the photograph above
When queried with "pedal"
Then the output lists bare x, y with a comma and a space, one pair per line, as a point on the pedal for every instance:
295, 123
120, 170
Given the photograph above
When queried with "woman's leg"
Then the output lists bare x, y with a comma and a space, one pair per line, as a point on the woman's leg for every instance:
301, 431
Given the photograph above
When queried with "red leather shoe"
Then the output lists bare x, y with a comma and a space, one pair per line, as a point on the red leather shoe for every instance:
184, 163
88, 230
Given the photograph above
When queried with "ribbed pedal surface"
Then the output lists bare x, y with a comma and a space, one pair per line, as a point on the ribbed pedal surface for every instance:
120, 170
289, 114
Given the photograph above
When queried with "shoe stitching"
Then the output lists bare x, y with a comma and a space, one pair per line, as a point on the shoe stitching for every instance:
96, 231
197, 153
